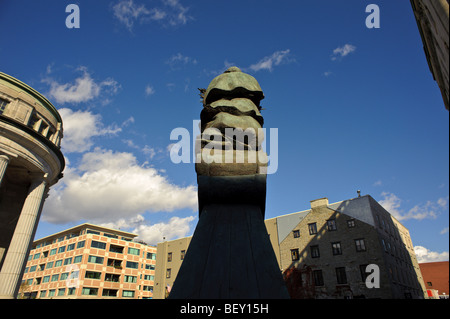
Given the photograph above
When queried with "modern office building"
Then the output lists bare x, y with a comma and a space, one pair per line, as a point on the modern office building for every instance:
89, 261
435, 275
30, 162
432, 17
323, 252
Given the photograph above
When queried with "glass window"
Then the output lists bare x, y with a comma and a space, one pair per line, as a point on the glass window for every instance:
336, 247
53, 251
58, 263
312, 228
294, 254
169, 256
77, 259
46, 279
315, 253
182, 254
55, 277
351, 223
296, 233
318, 277
95, 259
62, 249
133, 251
168, 272
89, 291
132, 264
98, 244
67, 261
70, 247
3, 104
132, 279
80, 244
341, 276
128, 293
93, 275
331, 224
360, 245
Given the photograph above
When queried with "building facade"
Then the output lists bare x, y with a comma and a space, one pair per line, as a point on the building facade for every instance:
30, 162
435, 275
89, 261
323, 252
432, 17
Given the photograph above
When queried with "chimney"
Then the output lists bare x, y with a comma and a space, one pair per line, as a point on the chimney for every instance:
319, 202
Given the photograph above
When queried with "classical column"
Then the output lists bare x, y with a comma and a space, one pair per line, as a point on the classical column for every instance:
17, 252
4, 160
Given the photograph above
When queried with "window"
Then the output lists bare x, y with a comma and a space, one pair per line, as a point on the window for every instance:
53, 251
58, 263
77, 259
116, 249
3, 104
429, 283
46, 279
331, 224
33, 268
36, 256
294, 254
55, 277
296, 233
61, 249
351, 223
43, 293
132, 264
315, 253
61, 291
70, 247
360, 245
98, 245
80, 244
150, 267
341, 276
318, 277
109, 292
68, 261
89, 291
336, 247
182, 254
112, 277
115, 263
131, 279
133, 251
93, 275
312, 228
168, 272
95, 260
71, 291
128, 293
64, 276
151, 256
169, 256
51, 292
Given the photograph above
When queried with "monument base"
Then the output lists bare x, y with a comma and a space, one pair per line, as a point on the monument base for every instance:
230, 257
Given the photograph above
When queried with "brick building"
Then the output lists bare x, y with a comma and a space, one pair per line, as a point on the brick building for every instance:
89, 261
435, 276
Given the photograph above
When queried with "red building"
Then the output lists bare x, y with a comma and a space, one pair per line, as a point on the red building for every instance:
435, 275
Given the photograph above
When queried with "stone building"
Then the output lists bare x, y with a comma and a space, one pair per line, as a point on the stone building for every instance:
89, 261
432, 17
435, 275
30, 162
323, 252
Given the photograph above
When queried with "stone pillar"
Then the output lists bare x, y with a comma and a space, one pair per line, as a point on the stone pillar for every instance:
17, 252
4, 160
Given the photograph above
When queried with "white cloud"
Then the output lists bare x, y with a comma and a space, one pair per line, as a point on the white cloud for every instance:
171, 13
108, 186
268, 62
179, 59
428, 210
378, 183
342, 51
149, 90
444, 231
425, 255
83, 89
176, 228
80, 127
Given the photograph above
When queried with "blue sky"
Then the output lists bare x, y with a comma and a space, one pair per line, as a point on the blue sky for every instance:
355, 108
